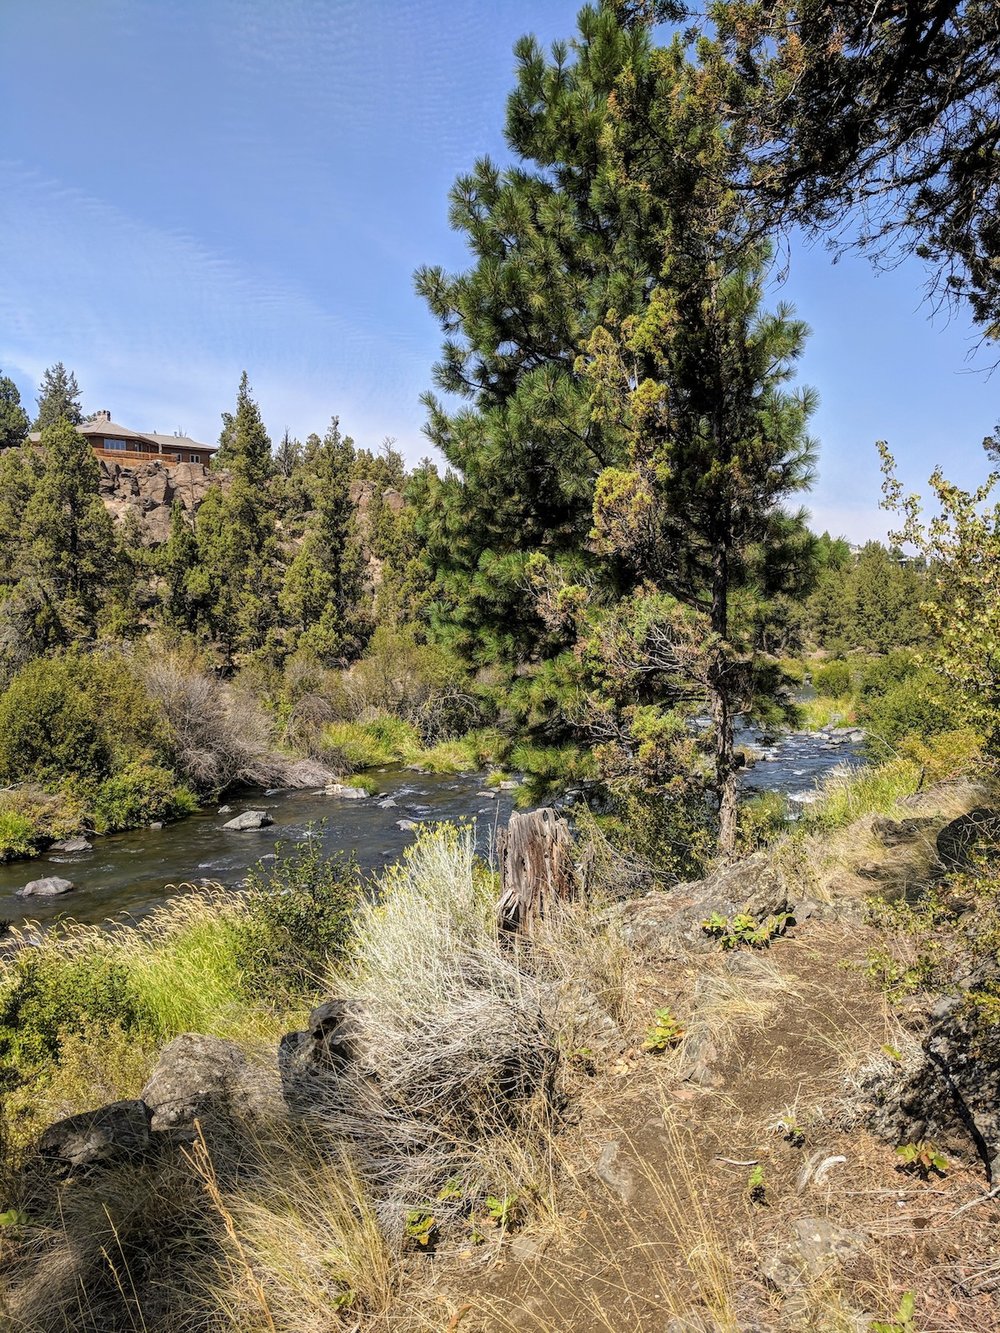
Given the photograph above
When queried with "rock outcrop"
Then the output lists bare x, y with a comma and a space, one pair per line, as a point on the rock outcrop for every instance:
148, 491
205, 1079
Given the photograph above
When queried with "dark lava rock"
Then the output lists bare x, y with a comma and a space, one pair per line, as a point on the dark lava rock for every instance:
50, 886
663, 923
327, 1046
962, 840
114, 1133
898, 832
951, 1094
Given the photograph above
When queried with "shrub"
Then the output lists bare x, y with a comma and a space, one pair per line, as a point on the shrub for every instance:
76, 716
299, 913
138, 795
19, 835
833, 679
382, 741
917, 705
216, 735
422, 683
762, 819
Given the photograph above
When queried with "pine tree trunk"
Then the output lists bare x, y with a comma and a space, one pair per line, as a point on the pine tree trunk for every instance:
720, 706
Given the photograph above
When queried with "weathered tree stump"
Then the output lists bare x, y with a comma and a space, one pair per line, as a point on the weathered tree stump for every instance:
536, 869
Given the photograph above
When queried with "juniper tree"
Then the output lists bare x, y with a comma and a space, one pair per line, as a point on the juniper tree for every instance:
58, 398
13, 418
69, 547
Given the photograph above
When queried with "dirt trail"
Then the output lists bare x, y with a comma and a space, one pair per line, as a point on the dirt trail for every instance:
662, 1231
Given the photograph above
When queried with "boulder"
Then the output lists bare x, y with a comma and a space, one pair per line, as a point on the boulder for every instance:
206, 1078
663, 924
818, 1247
118, 1132
71, 845
345, 792
898, 832
327, 1046
49, 886
962, 840
949, 1094
248, 820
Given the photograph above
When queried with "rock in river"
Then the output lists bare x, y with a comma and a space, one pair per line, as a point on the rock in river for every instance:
249, 819
50, 886
71, 845
345, 792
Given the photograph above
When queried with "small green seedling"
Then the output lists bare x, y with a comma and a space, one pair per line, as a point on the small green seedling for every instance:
665, 1032
790, 1131
893, 1052
420, 1226
344, 1299
923, 1158
13, 1217
901, 1322
756, 1185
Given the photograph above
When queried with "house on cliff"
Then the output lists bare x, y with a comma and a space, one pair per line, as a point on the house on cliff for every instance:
119, 444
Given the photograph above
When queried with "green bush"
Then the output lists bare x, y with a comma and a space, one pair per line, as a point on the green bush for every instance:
762, 819
833, 679
299, 913
78, 716
19, 835
384, 740
140, 794
918, 705
47, 996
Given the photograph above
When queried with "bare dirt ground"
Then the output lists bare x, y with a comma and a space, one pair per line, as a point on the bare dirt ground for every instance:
659, 1227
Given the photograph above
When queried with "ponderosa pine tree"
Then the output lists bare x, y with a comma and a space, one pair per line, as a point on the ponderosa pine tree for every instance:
58, 398
696, 381
553, 249
13, 418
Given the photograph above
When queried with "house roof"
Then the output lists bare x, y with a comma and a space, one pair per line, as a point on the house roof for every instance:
101, 426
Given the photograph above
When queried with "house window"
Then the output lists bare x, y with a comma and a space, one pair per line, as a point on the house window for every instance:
196, 458
114, 444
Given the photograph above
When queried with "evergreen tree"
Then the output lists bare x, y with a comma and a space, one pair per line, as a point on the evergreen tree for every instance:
288, 456
323, 586
553, 250
58, 398
13, 418
69, 543
234, 582
715, 441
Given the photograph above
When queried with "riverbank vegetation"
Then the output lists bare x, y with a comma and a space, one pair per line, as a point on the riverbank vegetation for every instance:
745, 1074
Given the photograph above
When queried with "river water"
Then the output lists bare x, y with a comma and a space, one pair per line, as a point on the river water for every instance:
132, 872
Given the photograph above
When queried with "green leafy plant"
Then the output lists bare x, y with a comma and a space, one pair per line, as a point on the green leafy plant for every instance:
743, 930
420, 1226
503, 1212
923, 1158
900, 1322
664, 1032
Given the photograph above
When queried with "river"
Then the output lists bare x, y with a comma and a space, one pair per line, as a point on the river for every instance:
132, 872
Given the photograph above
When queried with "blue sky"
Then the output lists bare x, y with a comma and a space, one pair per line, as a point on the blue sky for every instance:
192, 187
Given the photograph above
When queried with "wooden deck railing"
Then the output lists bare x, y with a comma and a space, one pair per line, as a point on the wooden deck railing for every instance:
137, 456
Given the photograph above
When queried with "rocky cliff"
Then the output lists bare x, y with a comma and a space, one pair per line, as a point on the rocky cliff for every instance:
149, 491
